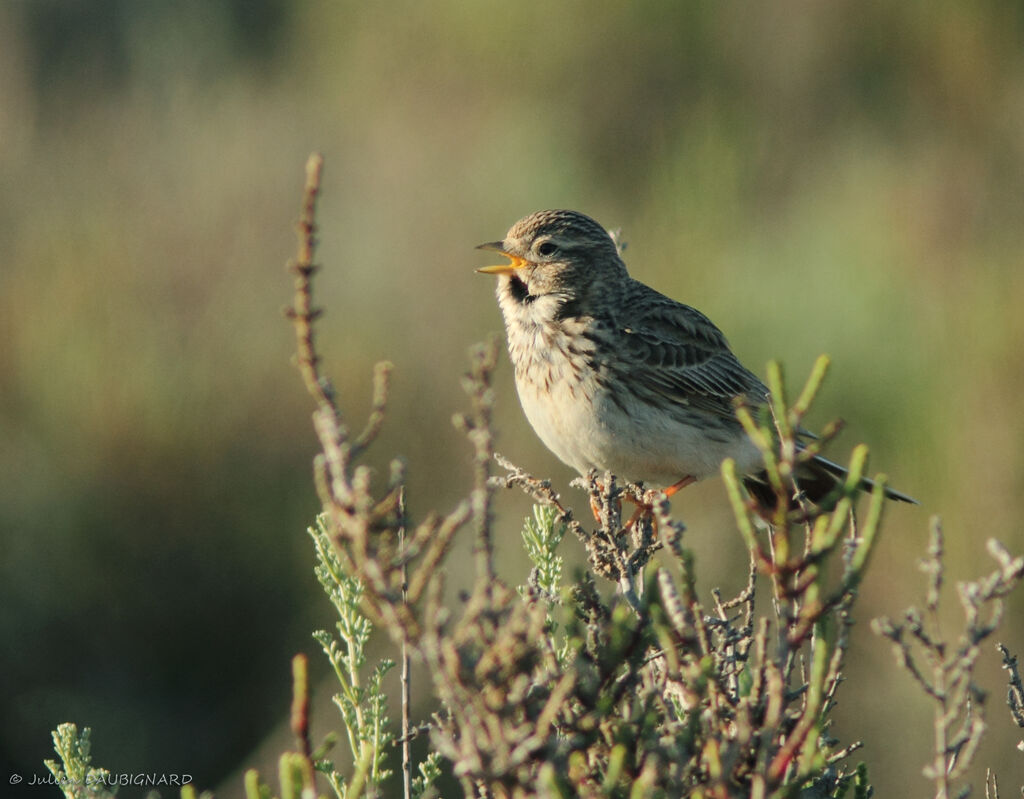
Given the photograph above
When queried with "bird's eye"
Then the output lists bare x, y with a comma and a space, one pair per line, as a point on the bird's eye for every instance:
547, 248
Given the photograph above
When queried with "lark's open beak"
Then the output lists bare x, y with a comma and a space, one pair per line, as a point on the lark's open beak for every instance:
501, 269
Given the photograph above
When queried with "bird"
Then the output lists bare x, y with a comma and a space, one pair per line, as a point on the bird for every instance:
614, 376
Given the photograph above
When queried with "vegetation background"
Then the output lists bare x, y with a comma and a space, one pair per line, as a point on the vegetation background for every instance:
844, 178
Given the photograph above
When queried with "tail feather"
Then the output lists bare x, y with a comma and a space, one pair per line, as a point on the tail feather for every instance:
865, 484
817, 480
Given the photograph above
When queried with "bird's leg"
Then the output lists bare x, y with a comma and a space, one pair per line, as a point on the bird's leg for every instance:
646, 507
642, 506
638, 514
672, 489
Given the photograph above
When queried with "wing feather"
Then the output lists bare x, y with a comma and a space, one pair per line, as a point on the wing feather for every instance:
675, 352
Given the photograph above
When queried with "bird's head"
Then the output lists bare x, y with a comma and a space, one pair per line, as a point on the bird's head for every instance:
563, 253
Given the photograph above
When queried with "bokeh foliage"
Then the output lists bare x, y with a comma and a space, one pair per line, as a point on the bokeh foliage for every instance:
844, 178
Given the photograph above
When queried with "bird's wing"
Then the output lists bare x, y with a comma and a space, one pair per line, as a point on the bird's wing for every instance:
677, 353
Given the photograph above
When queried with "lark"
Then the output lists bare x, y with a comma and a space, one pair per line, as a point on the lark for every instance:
616, 377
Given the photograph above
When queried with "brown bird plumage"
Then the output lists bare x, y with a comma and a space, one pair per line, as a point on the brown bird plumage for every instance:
615, 376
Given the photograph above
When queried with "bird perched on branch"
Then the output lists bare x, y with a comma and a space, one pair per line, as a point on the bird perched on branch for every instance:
614, 376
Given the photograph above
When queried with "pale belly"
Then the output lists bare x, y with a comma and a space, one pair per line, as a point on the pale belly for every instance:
576, 421
571, 411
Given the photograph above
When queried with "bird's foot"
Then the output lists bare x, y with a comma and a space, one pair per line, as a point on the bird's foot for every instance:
646, 501
610, 494
642, 510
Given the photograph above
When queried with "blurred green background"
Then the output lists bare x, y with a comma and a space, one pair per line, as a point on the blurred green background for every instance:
842, 177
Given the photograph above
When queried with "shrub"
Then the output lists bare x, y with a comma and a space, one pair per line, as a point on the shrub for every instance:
617, 682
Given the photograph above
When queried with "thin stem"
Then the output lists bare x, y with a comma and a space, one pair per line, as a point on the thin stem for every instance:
303, 314
406, 690
300, 705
